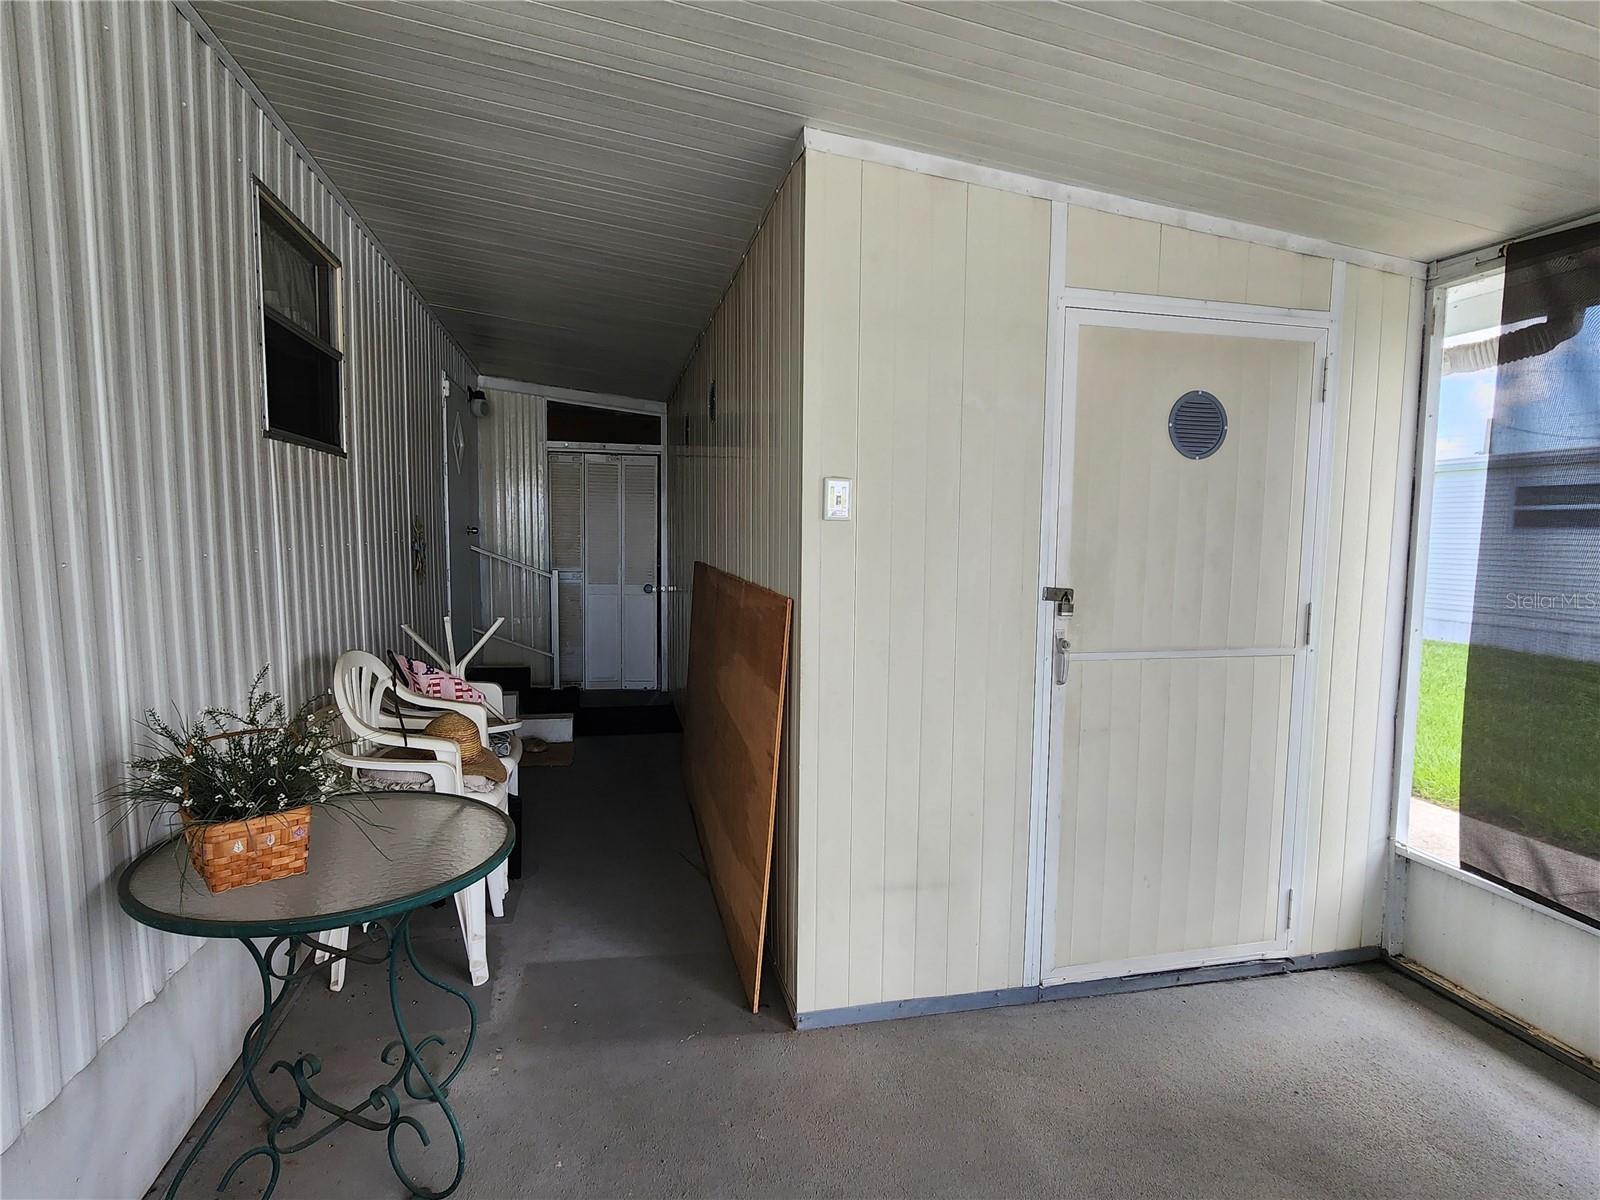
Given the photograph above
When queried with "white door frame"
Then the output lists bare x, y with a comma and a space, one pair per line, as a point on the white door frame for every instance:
620, 448
1070, 310
654, 596
593, 629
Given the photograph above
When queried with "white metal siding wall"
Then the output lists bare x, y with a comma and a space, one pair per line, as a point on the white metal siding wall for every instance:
1555, 572
733, 484
160, 549
926, 303
1453, 531
512, 502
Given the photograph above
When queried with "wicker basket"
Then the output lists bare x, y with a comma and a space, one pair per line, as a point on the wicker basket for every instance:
232, 854
235, 853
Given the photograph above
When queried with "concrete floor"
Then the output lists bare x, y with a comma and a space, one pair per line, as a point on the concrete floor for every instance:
1435, 829
614, 1060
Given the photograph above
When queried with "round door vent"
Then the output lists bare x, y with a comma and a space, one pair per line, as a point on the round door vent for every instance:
1197, 424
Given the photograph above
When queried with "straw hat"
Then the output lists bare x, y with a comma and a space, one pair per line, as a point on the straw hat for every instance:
475, 758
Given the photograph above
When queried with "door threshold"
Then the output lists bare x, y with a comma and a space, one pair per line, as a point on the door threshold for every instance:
893, 1010
1214, 973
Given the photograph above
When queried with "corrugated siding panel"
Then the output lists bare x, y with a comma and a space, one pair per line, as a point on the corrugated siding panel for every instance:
1357, 668
514, 511
1525, 563
160, 549
733, 484
1454, 527
926, 303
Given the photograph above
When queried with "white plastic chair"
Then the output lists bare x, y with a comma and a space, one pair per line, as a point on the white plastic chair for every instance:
360, 684
409, 705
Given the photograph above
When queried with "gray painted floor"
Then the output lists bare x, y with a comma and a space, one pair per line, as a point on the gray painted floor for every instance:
614, 1060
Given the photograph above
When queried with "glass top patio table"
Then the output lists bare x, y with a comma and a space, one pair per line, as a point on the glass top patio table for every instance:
371, 857
374, 859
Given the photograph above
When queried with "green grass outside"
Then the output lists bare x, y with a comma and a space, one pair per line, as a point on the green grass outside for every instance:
1436, 768
1534, 735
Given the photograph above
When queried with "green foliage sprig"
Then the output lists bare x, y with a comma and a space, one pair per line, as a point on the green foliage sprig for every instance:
229, 766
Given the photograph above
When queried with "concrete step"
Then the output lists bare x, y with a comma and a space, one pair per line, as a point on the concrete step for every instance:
552, 727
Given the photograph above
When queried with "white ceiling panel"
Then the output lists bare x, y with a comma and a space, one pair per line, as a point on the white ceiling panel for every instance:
571, 185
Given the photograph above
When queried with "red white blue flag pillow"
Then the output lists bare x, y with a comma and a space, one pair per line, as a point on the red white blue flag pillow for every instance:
430, 681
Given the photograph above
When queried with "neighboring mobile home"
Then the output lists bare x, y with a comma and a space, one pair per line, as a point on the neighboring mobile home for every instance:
1101, 515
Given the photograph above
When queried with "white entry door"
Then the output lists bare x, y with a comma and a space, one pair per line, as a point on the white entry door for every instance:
602, 571
1185, 499
621, 518
641, 526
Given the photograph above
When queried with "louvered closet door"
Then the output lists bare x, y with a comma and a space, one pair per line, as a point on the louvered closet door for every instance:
566, 555
640, 526
602, 571
1184, 530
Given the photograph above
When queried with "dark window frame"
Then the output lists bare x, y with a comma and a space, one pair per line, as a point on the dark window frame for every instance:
1556, 506
326, 352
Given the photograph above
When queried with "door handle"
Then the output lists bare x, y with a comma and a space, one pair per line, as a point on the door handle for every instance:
1062, 656
649, 589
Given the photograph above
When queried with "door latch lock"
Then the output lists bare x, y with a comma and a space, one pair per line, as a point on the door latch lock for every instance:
1061, 597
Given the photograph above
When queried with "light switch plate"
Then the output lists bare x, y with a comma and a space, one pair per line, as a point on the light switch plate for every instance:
835, 499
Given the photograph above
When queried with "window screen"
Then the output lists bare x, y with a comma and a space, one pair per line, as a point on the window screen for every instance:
1505, 774
299, 302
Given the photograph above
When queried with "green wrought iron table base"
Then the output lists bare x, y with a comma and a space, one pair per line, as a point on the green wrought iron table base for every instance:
288, 1130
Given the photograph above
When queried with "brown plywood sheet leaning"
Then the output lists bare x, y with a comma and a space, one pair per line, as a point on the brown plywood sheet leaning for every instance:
738, 664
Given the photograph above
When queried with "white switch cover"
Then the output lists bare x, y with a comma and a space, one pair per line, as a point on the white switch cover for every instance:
835, 499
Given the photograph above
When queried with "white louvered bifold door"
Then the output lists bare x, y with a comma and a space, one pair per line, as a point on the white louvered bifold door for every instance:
602, 571
1183, 532
566, 555
640, 529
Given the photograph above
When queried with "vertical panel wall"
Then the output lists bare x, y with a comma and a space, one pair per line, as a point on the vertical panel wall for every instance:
733, 480
1358, 611
160, 549
1111, 253
1365, 470
514, 513
924, 382
925, 315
